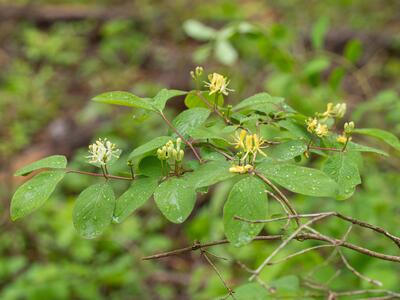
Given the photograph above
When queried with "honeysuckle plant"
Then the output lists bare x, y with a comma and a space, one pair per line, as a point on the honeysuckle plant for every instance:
260, 144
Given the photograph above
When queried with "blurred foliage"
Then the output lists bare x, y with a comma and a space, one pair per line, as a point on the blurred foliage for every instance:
51, 70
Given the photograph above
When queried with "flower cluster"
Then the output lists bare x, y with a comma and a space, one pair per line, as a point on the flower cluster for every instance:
169, 151
171, 156
196, 74
218, 84
319, 124
335, 111
346, 135
250, 145
102, 151
316, 127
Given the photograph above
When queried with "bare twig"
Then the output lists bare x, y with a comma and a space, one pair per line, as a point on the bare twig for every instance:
230, 291
283, 244
358, 274
97, 174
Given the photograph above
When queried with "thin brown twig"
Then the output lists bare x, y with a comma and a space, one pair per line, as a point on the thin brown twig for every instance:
283, 244
214, 108
356, 273
363, 224
281, 195
97, 174
230, 291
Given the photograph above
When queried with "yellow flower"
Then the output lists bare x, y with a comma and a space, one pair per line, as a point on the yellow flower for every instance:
312, 124
218, 84
240, 139
337, 111
342, 139
258, 142
241, 169
321, 130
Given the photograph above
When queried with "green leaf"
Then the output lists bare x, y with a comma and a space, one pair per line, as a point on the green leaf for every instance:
193, 100
34, 193
189, 120
93, 210
124, 99
163, 96
319, 31
353, 50
286, 284
262, 101
247, 199
251, 291
362, 148
342, 168
383, 135
287, 150
175, 198
209, 174
225, 53
150, 146
299, 179
150, 166
53, 162
199, 31
138, 193
316, 66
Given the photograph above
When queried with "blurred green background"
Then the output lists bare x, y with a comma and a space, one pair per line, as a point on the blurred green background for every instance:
56, 55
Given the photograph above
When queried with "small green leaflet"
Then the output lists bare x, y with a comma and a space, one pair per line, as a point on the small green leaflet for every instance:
138, 193
93, 210
209, 174
248, 200
342, 168
52, 162
124, 99
299, 179
150, 146
224, 52
199, 31
287, 150
175, 199
261, 101
34, 193
383, 135
163, 96
189, 120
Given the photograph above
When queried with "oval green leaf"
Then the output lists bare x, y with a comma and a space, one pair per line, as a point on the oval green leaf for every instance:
209, 174
299, 179
189, 120
93, 210
138, 193
34, 193
163, 96
124, 99
342, 168
247, 199
383, 135
52, 162
287, 150
175, 198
